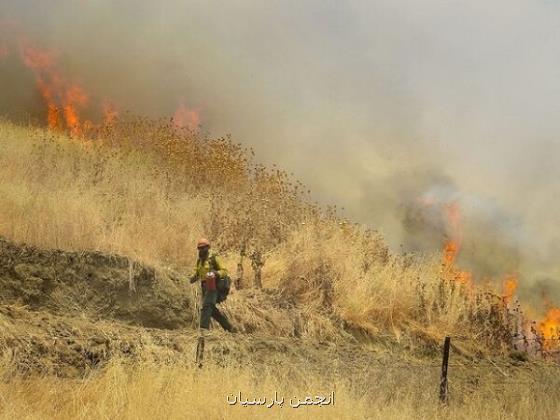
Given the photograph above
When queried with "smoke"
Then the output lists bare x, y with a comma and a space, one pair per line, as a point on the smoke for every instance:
374, 105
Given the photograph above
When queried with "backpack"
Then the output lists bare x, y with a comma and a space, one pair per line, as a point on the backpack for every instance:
223, 284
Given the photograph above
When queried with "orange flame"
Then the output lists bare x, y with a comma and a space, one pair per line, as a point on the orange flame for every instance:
452, 247
450, 252
509, 288
64, 100
186, 118
550, 325
453, 217
75, 97
462, 277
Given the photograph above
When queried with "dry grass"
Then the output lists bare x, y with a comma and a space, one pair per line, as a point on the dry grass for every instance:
149, 392
145, 191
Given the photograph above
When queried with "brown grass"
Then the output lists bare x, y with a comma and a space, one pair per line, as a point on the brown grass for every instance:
148, 392
145, 191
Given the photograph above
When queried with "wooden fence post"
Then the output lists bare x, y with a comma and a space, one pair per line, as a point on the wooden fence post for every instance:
200, 351
443, 389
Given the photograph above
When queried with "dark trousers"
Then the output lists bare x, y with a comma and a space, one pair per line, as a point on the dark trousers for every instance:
209, 310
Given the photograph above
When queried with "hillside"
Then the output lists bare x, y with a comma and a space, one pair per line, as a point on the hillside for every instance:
139, 191
122, 327
97, 241
66, 313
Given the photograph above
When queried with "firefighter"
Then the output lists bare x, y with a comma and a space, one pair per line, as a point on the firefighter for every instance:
209, 270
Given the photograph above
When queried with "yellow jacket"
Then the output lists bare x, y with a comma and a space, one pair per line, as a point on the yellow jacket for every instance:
209, 264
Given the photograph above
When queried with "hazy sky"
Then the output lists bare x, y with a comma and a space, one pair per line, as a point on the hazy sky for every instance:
371, 103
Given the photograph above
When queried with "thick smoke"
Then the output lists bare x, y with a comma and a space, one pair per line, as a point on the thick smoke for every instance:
376, 105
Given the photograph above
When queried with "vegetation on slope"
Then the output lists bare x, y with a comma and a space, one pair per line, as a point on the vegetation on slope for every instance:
146, 190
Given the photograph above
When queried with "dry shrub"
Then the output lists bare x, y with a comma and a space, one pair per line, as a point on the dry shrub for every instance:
146, 190
335, 266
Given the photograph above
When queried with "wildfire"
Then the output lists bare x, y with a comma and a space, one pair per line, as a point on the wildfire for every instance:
68, 105
509, 288
550, 330
75, 98
452, 247
64, 100
450, 251
549, 327
449, 255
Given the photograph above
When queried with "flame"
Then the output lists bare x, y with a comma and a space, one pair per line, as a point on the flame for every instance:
464, 278
450, 251
40, 62
452, 247
75, 97
548, 331
509, 288
186, 118
65, 100
550, 326
57, 96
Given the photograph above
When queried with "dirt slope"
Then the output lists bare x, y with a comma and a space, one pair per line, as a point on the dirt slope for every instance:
91, 284
65, 313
